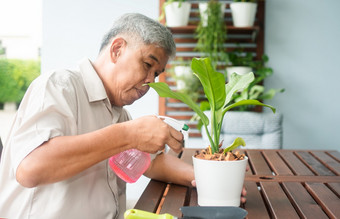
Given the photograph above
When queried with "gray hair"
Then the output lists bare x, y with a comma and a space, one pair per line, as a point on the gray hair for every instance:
140, 28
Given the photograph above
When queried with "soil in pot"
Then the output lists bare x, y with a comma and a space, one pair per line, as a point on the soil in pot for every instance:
206, 154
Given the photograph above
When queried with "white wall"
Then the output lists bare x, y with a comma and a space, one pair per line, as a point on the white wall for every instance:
20, 28
302, 41
74, 29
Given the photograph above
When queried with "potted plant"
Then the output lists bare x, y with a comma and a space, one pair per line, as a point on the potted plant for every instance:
219, 96
186, 82
205, 10
211, 31
176, 13
241, 62
243, 12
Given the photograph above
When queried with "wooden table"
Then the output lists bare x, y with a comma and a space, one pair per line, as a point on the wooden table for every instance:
279, 183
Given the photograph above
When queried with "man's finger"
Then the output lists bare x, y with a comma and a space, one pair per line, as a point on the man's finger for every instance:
175, 145
176, 134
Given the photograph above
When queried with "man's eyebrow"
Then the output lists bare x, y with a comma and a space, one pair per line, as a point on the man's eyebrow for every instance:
154, 58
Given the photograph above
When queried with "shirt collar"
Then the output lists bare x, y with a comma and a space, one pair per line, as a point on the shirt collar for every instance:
93, 84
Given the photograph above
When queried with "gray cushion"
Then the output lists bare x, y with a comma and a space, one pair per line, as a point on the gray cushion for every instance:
259, 130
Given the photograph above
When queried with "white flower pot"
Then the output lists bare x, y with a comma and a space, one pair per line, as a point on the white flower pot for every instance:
241, 70
203, 6
219, 183
243, 13
177, 16
182, 72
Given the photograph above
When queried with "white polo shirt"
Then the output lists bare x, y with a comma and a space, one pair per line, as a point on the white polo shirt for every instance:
62, 103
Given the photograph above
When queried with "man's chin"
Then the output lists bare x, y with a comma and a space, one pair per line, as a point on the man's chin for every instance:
130, 102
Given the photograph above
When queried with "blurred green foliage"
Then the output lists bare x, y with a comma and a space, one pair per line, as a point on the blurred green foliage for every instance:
15, 77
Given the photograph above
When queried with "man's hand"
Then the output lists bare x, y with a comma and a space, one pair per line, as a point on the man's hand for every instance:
150, 134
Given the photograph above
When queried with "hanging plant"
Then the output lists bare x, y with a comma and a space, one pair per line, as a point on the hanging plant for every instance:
211, 34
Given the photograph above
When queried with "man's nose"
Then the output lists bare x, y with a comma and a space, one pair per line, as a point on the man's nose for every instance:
150, 78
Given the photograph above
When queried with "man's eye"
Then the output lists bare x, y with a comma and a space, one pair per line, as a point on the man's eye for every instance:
148, 65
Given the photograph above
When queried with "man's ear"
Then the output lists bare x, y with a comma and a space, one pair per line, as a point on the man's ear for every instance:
116, 48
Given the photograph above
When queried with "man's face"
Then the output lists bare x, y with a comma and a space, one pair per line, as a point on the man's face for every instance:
134, 68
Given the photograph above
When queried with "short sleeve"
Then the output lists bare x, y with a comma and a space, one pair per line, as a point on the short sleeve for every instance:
47, 110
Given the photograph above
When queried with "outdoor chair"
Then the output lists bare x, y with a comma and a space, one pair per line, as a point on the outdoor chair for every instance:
259, 130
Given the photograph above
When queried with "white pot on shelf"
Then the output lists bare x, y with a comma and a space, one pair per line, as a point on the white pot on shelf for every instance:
241, 70
177, 16
182, 72
203, 6
243, 13
219, 183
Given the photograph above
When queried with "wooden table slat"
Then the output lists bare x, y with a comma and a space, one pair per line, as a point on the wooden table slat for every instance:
298, 167
248, 169
316, 166
303, 201
326, 198
178, 193
151, 196
258, 164
335, 154
255, 206
276, 163
193, 197
335, 187
328, 161
277, 201
280, 178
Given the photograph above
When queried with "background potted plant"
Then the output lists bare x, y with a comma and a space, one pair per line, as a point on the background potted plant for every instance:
243, 12
206, 7
211, 31
239, 62
186, 82
176, 13
243, 62
219, 96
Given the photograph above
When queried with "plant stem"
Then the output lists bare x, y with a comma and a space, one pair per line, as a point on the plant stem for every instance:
215, 132
209, 135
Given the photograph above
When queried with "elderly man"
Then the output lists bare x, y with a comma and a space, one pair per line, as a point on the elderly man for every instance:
55, 162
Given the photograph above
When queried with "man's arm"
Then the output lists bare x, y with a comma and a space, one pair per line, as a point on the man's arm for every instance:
65, 156
169, 168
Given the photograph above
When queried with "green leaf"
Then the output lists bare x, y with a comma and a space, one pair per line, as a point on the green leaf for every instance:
213, 82
255, 92
270, 93
164, 91
247, 102
237, 82
237, 142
